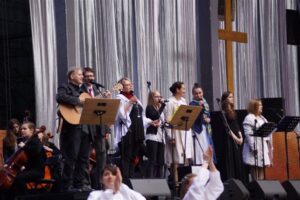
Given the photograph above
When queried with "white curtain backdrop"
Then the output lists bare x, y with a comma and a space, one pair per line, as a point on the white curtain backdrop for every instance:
45, 61
144, 40
266, 66
156, 41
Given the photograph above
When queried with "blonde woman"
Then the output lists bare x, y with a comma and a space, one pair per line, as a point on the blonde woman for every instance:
252, 151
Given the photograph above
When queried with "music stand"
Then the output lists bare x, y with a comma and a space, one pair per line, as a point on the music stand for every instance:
183, 119
99, 111
287, 124
264, 131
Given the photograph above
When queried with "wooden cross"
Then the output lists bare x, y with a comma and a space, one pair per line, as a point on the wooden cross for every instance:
230, 36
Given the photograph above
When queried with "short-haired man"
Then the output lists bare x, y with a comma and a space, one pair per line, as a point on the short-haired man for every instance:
74, 139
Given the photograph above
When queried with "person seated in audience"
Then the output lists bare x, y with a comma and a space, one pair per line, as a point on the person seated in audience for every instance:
114, 189
207, 185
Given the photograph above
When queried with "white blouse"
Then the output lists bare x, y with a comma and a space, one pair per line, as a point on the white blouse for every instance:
125, 193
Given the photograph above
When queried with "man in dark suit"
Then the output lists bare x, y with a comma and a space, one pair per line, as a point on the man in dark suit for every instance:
74, 138
98, 134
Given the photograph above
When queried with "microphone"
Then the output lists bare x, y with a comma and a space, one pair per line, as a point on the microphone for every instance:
201, 102
148, 83
218, 100
164, 101
97, 84
276, 111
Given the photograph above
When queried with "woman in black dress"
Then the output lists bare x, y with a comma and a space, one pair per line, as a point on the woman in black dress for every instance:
234, 167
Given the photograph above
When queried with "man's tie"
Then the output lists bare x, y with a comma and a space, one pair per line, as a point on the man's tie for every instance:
91, 92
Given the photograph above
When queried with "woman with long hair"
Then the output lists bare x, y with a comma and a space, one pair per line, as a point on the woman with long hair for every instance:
114, 189
233, 147
253, 153
155, 140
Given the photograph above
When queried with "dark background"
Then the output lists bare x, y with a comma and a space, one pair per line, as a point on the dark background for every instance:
16, 61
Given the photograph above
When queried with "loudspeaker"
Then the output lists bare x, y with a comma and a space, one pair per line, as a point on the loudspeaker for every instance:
56, 196
266, 190
292, 188
293, 27
151, 187
273, 109
234, 189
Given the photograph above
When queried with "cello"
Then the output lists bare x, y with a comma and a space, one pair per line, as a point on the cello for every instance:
13, 166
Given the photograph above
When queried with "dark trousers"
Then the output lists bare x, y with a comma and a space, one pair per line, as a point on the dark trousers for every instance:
155, 152
75, 148
129, 150
100, 147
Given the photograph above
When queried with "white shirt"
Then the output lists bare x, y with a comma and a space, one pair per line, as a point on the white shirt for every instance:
159, 136
123, 120
125, 193
250, 142
206, 186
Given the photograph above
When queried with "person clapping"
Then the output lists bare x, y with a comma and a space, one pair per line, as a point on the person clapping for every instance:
114, 189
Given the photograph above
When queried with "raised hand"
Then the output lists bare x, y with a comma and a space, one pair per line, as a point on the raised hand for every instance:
208, 155
118, 180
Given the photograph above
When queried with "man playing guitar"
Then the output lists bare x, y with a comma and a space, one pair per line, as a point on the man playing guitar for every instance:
74, 138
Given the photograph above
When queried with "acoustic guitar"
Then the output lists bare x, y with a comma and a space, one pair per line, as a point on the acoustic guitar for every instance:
72, 114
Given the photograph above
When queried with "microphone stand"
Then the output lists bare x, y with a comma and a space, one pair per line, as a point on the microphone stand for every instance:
255, 150
194, 144
225, 122
298, 144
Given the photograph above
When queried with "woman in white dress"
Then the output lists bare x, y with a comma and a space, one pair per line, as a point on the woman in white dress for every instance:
253, 152
177, 140
114, 189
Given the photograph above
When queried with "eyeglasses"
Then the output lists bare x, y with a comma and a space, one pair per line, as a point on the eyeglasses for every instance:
157, 96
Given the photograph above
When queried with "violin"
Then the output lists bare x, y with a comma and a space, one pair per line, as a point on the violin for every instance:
92, 159
13, 166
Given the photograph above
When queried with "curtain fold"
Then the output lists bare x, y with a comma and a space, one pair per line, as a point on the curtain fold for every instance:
45, 61
144, 40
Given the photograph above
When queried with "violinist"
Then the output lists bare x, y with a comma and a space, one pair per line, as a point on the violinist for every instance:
129, 127
10, 140
53, 157
47, 145
34, 167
